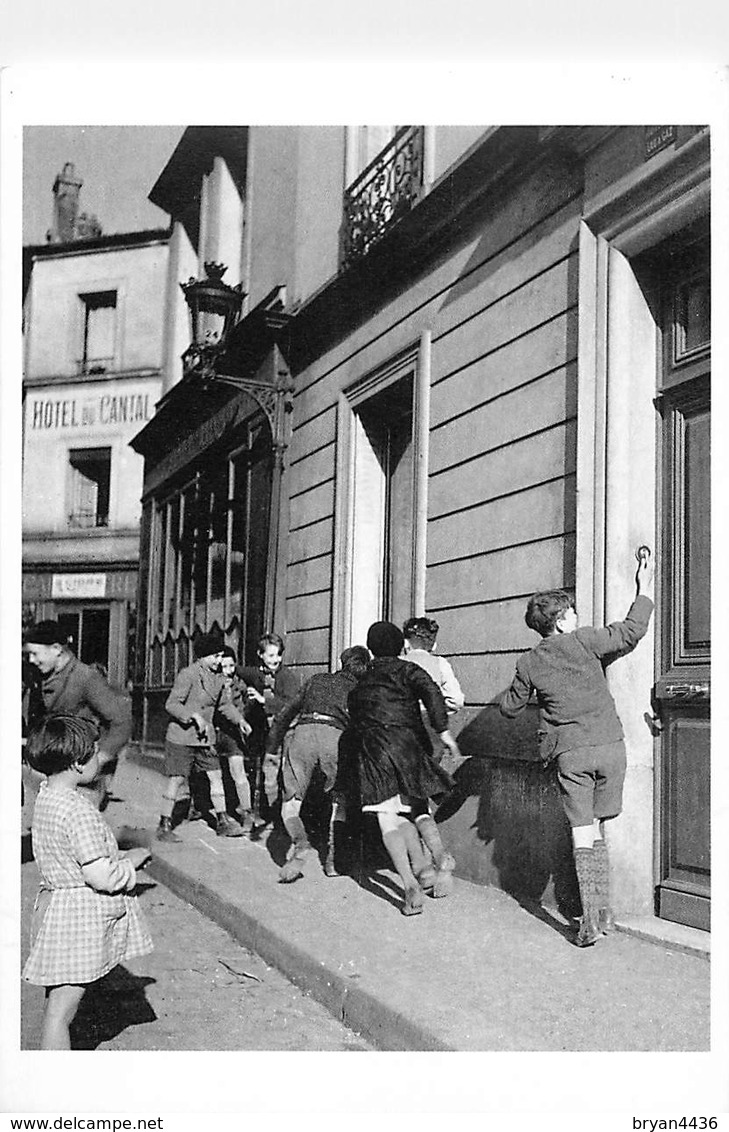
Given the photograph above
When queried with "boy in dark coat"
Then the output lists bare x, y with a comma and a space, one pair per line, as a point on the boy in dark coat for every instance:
580, 727
396, 769
66, 685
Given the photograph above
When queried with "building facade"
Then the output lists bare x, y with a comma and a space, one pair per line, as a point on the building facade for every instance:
93, 359
473, 362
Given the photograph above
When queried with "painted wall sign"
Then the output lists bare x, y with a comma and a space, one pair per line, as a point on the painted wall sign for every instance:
86, 412
658, 138
78, 585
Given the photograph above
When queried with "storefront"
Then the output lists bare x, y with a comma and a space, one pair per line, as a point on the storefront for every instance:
95, 609
210, 527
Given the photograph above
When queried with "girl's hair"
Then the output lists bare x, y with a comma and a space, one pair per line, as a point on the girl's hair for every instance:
271, 639
545, 609
229, 653
59, 741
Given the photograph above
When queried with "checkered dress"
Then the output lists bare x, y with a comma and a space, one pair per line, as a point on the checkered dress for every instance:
77, 934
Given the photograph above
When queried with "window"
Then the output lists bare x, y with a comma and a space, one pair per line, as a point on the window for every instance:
363, 145
381, 510
88, 489
99, 315
211, 543
383, 500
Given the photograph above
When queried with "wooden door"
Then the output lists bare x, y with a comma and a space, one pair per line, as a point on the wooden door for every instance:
683, 688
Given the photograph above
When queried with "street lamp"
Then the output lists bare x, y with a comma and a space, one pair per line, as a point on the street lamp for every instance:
214, 310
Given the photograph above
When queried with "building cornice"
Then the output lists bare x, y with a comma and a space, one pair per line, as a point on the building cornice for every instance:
93, 244
193, 159
45, 380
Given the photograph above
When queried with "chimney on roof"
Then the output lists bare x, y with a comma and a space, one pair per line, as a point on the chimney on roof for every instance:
66, 189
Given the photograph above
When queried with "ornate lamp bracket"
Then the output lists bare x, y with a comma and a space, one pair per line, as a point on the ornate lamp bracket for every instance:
275, 399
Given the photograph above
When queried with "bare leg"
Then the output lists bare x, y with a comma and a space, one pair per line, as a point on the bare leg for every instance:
394, 838
224, 826
175, 783
443, 861
62, 1002
420, 859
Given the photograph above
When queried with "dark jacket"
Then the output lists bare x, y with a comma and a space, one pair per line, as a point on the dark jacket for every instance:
325, 693
279, 689
393, 750
83, 691
566, 673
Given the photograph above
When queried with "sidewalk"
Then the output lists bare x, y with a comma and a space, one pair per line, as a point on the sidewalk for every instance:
476, 971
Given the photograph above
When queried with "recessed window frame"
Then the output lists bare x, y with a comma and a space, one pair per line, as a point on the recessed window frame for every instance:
98, 459
91, 302
414, 360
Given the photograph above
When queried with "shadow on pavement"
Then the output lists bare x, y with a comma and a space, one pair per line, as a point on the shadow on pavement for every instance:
110, 1006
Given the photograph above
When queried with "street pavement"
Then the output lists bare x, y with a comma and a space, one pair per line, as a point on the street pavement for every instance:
198, 990
475, 971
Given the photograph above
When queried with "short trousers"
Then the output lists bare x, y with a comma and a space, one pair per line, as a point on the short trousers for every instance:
591, 782
312, 745
180, 759
226, 746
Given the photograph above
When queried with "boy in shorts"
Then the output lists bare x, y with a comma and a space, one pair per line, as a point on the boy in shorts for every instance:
198, 692
321, 716
580, 728
271, 686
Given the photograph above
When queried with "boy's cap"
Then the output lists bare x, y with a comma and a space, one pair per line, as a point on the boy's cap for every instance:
208, 645
384, 639
45, 633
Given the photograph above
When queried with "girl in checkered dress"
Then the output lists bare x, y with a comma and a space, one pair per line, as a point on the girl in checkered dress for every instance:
84, 920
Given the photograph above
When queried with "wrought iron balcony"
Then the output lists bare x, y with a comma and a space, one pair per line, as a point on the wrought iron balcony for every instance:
384, 192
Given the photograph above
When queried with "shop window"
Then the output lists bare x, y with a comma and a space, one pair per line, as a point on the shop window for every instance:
99, 326
88, 487
210, 555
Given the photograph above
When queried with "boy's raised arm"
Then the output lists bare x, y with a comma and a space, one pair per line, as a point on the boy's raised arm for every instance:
621, 637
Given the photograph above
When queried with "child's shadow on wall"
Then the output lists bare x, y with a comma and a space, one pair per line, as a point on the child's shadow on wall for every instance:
110, 1006
519, 816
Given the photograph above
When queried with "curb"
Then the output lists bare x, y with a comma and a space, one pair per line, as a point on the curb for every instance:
387, 1029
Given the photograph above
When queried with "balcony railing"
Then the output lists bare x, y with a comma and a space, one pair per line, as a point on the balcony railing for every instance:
384, 192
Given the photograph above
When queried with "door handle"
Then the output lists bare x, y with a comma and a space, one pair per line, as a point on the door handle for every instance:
685, 691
